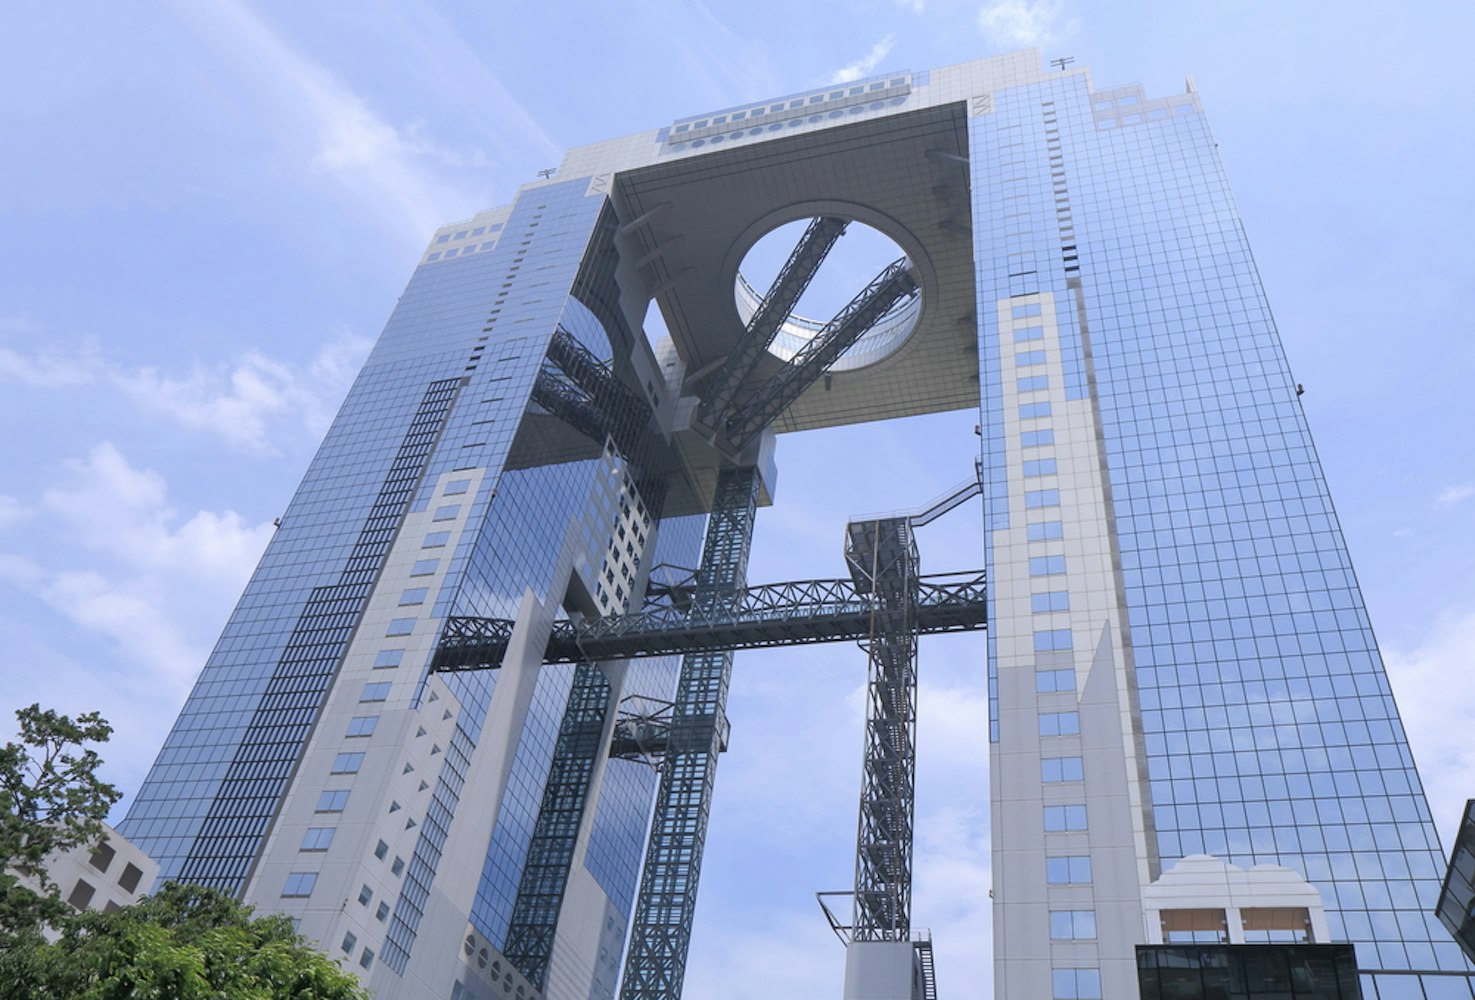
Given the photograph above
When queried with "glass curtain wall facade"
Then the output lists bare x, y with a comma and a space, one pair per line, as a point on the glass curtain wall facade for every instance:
1180, 665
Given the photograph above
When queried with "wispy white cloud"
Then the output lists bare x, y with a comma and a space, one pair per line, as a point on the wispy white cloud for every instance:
384, 167
12, 511
122, 563
866, 64
248, 401
915, 6
1452, 495
1435, 702
1024, 23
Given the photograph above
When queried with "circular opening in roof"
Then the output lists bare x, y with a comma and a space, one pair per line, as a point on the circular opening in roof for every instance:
854, 261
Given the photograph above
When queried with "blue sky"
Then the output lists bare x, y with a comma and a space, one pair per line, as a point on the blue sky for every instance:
207, 211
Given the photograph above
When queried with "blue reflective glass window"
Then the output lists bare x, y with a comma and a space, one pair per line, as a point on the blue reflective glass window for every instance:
1068, 869
388, 658
1075, 984
347, 763
1053, 681
436, 539
1072, 925
332, 800
299, 884
447, 512
1028, 309
1046, 565
375, 691
424, 567
1033, 411
1032, 383
317, 838
1060, 723
457, 487
1026, 359
1036, 499
400, 626
1052, 640
1040, 467
1056, 769
1036, 439
1045, 531
414, 595
1059, 819
1050, 601
1026, 333
362, 725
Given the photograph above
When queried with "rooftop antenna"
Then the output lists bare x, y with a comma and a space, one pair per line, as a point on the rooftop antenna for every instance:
547, 172
1062, 62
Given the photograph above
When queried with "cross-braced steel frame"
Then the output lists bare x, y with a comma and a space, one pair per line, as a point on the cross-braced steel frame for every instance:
882, 555
778, 614
655, 963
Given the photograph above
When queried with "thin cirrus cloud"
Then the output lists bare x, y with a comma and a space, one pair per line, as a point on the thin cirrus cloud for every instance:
391, 172
866, 64
1452, 495
248, 401
1023, 23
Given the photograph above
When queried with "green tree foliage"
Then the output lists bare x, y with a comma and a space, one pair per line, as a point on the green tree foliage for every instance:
50, 800
185, 943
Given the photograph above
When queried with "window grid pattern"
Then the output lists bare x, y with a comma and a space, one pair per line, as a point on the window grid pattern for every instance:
231, 834
1270, 731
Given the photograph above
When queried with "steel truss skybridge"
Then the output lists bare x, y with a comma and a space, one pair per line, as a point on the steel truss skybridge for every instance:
677, 620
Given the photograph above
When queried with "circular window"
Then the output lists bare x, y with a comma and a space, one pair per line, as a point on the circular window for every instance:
470, 944
857, 258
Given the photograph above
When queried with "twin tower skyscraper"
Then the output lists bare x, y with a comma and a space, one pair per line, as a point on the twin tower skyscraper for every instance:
1192, 737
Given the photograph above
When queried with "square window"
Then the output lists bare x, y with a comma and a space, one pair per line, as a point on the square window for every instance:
380, 850
1057, 769
1060, 723
367, 958
436, 540
414, 595
1033, 411
456, 487
378, 691
1060, 819
1071, 869
398, 866
1026, 359
1032, 383
1038, 499
1053, 681
1045, 531
447, 512
1041, 467
349, 940
317, 838
1072, 925
365, 895
299, 884
128, 881
102, 857
425, 567
1046, 565
1075, 984
362, 725
332, 800
400, 626
388, 658
347, 763
81, 894
382, 913
1053, 640
1023, 334
1036, 439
